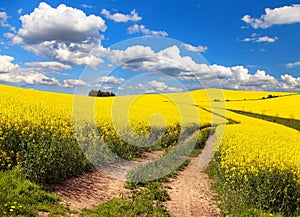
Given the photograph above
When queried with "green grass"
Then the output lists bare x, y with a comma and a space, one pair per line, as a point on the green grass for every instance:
141, 202
203, 136
256, 196
20, 197
289, 122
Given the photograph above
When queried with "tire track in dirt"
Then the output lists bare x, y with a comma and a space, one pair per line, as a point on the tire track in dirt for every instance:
88, 190
190, 191
97, 187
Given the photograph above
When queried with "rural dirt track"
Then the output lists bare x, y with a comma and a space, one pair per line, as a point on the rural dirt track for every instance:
190, 191
89, 189
94, 188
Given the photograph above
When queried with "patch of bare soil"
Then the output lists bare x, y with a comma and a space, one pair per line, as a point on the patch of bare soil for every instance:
94, 188
89, 189
151, 156
190, 191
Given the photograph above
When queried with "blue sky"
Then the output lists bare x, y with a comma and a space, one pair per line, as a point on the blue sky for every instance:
150, 46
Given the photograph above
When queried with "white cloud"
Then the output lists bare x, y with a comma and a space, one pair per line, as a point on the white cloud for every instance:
260, 39
289, 82
121, 18
8, 35
262, 80
199, 48
19, 11
3, 19
74, 53
70, 83
6, 65
110, 79
25, 77
276, 16
167, 61
48, 66
34, 72
222, 71
238, 77
292, 65
134, 89
62, 33
131, 53
162, 87
86, 6
267, 39
170, 62
61, 24
145, 31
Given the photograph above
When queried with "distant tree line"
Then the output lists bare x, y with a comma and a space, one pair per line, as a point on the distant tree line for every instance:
270, 96
99, 93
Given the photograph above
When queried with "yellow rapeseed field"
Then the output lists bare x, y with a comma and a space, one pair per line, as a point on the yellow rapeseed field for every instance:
36, 126
256, 144
286, 107
40, 131
259, 163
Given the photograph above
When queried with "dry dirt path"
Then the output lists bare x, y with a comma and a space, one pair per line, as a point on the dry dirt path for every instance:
97, 187
190, 191
89, 189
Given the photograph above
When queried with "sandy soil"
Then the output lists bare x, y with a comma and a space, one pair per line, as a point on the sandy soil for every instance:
89, 189
190, 191
94, 188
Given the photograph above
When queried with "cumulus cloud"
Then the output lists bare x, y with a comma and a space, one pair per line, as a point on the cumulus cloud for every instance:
34, 72
162, 87
261, 79
131, 53
121, 18
61, 24
70, 83
170, 62
267, 39
62, 33
139, 88
8, 35
289, 82
6, 65
48, 66
27, 77
276, 16
145, 31
74, 53
259, 39
167, 61
292, 65
3, 19
110, 79
199, 48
